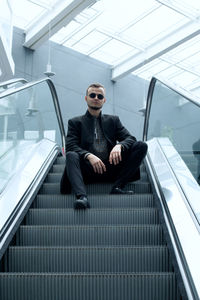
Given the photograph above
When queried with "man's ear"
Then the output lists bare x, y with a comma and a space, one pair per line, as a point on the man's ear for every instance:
104, 100
85, 98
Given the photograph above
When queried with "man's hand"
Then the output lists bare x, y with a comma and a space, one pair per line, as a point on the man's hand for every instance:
115, 155
96, 163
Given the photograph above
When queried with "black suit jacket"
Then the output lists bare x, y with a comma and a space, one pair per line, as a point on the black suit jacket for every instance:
81, 133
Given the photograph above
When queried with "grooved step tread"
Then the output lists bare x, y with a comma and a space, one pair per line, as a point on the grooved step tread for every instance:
96, 201
131, 286
92, 216
90, 235
104, 188
89, 259
114, 251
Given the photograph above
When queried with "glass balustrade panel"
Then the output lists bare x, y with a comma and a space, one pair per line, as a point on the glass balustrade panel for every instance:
174, 116
26, 117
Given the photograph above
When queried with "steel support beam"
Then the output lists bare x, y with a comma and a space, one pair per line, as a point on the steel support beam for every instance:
175, 39
52, 21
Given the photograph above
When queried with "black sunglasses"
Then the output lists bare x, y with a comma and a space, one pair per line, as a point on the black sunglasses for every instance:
99, 96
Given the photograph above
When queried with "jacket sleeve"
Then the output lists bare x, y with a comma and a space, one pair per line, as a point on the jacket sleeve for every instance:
73, 139
123, 136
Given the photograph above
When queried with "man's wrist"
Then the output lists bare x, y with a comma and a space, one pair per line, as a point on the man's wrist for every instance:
86, 155
122, 147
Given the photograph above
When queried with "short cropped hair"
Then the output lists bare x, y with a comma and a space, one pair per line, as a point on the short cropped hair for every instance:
95, 85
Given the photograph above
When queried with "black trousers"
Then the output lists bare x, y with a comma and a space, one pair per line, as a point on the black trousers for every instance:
79, 172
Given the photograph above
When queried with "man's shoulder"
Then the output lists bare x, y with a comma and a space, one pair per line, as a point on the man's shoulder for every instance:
76, 118
83, 117
110, 117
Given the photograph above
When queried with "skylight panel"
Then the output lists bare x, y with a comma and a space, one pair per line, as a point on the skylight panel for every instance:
183, 54
22, 16
61, 35
117, 15
90, 41
188, 3
186, 56
120, 59
89, 12
186, 8
185, 50
81, 18
153, 68
194, 85
184, 79
196, 91
155, 24
79, 34
169, 72
80, 27
113, 31
103, 56
42, 3
82, 47
193, 60
116, 49
108, 54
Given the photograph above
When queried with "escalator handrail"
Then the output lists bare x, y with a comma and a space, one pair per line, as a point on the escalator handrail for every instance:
12, 81
182, 92
19, 193
27, 85
168, 198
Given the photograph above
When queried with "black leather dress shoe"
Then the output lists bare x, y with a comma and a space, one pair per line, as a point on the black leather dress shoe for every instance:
120, 191
81, 203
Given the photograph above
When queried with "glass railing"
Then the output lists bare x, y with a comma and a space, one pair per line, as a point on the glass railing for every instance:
172, 132
173, 117
28, 114
175, 113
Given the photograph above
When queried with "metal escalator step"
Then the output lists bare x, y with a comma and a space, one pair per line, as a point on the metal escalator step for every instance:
60, 160
159, 286
100, 188
58, 168
90, 235
138, 187
92, 216
56, 177
113, 251
96, 201
89, 259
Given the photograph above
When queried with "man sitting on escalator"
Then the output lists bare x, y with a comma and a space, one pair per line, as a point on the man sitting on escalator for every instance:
99, 149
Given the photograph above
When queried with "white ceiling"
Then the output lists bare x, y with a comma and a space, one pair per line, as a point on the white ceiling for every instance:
145, 37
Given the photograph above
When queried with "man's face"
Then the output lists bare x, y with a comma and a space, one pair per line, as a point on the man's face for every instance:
95, 98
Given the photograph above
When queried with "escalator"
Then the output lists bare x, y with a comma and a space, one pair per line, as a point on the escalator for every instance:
120, 248
115, 250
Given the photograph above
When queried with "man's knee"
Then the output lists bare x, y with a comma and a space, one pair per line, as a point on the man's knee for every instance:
141, 147
72, 156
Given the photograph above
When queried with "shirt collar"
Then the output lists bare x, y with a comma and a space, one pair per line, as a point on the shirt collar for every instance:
88, 114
